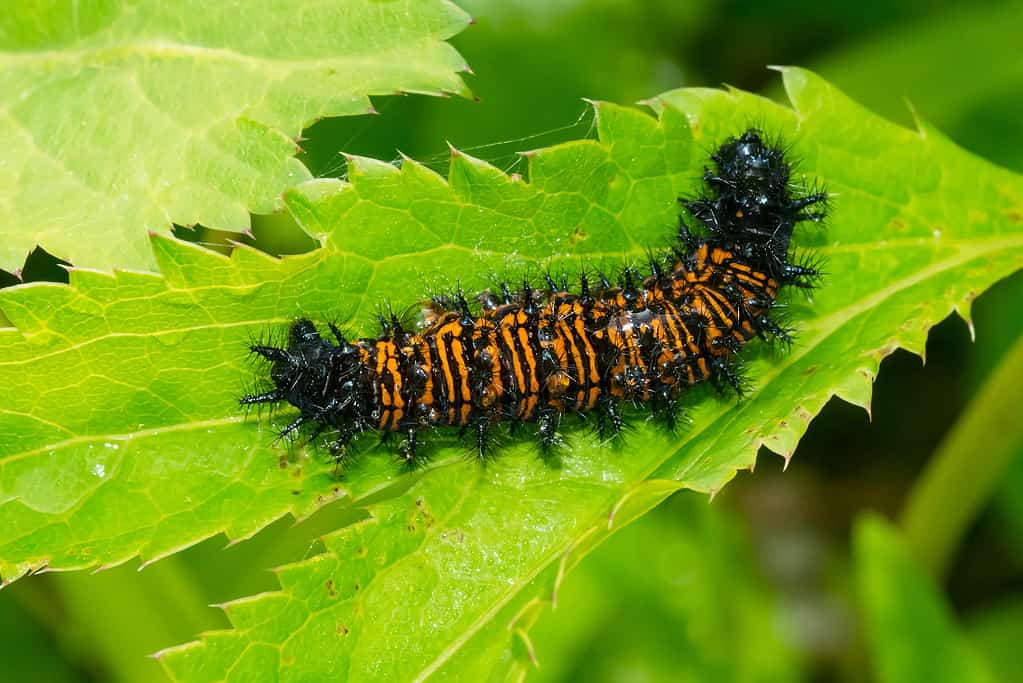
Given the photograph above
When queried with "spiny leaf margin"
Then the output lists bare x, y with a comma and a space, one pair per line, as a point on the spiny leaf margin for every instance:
117, 119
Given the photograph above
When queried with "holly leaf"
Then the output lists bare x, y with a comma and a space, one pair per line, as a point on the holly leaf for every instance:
124, 438
120, 117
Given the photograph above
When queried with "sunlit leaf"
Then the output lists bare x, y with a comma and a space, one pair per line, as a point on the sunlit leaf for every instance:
120, 117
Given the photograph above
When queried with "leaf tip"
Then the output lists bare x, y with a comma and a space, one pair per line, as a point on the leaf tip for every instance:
918, 123
786, 459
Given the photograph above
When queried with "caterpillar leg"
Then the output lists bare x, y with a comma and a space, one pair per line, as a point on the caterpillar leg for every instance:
609, 419
723, 371
269, 397
665, 405
766, 324
271, 353
482, 441
800, 275
548, 422
341, 452
291, 428
408, 450
809, 200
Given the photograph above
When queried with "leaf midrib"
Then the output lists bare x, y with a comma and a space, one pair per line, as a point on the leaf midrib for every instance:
178, 50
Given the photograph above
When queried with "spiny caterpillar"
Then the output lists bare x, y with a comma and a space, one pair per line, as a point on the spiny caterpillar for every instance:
535, 354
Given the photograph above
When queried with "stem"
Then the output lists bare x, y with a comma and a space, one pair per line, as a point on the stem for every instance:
967, 466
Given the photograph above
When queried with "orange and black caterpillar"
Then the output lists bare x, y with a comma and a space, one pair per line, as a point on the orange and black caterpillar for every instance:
534, 355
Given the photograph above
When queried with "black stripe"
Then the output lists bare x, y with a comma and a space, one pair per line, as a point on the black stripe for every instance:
440, 385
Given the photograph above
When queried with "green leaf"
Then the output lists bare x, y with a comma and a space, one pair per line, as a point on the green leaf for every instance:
32, 654
113, 618
922, 59
996, 633
120, 117
910, 630
684, 580
972, 460
122, 438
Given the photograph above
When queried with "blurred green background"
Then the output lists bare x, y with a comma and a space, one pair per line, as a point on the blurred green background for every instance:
770, 581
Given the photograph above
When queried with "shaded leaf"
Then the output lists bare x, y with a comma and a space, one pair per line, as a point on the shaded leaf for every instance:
673, 597
996, 633
911, 632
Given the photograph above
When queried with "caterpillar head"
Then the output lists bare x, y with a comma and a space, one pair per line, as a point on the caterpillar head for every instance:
320, 378
752, 205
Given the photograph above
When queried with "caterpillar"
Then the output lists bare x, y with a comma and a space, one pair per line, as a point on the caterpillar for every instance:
538, 353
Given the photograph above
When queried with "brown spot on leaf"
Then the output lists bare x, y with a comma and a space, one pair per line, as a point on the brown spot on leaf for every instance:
577, 235
1014, 215
331, 589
